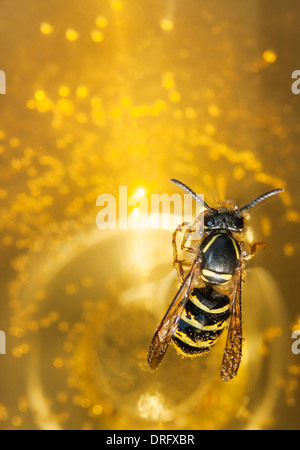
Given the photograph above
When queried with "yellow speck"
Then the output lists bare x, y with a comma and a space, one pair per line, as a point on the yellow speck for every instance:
292, 216
2, 135
86, 282
294, 369
24, 348
101, 22
63, 326
3, 413
17, 421
17, 352
71, 289
160, 105
39, 95
31, 104
168, 80
53, 316
96, 102
33, 326
3, 194
85, 403
289, 249
23, 404
16, 331
72, 35
266, 226
97, 36
214, 110
46, 28
14, 142
116, 5
271, 333
238, 173
62, 397
210, 129
44, 106
68, 347
82, 92
47, 200
166, 24
64, 91
174, 96
190, 113
65, 106
58, 363
97, 410
269, 56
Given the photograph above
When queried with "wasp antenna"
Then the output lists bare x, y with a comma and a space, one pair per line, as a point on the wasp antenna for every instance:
260, 199
192, 193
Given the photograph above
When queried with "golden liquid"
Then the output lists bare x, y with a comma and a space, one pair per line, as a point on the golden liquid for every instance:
126, 95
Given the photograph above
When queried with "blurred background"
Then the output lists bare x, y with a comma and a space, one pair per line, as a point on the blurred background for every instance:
104, 93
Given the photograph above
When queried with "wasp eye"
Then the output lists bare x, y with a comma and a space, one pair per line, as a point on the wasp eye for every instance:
209, 221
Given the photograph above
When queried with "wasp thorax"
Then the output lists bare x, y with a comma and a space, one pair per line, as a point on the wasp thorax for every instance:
226, 220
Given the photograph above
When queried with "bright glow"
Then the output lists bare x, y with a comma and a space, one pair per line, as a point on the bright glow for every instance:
97, 36
72, 35
269, 56
82, 91
140, 192
101, 22
46, 28
116, 5
151, 406
39, 95
64, 91
166, 24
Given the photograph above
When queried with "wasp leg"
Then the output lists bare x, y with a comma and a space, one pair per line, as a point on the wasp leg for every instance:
177, 262
190, 230
253, 248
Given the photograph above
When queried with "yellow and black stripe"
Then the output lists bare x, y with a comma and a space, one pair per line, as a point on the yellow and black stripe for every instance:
202, 322
220, 255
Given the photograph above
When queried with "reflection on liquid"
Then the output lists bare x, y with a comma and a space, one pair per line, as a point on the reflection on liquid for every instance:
89, 355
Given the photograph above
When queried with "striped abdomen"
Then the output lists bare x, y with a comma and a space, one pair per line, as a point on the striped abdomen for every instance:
202, 322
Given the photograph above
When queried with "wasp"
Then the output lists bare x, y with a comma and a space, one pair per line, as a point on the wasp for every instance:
209, 298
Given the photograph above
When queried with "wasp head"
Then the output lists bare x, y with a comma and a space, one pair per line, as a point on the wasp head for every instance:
223, 220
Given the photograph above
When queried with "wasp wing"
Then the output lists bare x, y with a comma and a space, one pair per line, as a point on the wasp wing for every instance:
169, 323
233, 349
